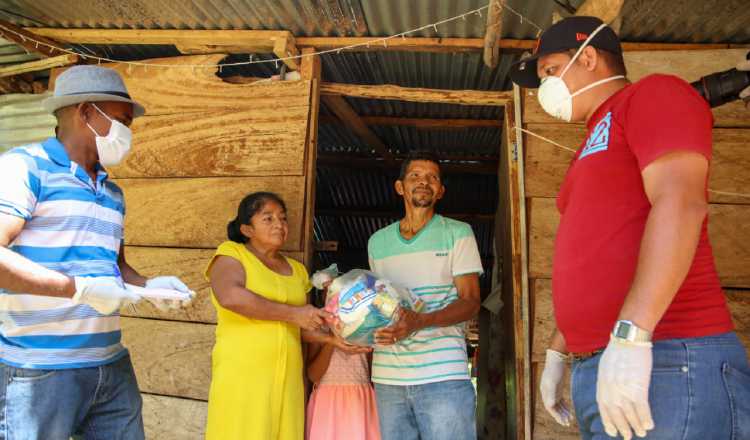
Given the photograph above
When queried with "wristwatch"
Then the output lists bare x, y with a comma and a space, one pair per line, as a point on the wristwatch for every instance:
628, 331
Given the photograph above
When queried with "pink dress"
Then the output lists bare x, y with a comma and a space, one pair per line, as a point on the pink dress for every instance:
342, 406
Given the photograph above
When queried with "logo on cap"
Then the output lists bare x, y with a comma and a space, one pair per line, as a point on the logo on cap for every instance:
581, 37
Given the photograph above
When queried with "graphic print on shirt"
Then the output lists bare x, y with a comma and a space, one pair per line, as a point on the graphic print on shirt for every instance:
599, 139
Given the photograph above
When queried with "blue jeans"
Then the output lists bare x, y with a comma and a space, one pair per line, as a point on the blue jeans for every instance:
700, 390
434, 411
99, 403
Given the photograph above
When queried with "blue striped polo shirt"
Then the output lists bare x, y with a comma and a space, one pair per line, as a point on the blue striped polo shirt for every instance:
73, 226
426, 264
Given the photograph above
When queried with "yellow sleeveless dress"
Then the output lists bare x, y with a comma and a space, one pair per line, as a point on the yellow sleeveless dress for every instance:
257, 390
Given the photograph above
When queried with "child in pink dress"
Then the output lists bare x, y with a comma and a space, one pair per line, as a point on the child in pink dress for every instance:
342, 405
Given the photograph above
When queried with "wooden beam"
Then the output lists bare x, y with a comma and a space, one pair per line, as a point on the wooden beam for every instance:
345, 112
35, 66
257, 40
607, 10
412, 94
424, 123
492, 33
311, 70
416, 44
286, 47
23, 37
310, 65
473, 44
253, 41
360, 162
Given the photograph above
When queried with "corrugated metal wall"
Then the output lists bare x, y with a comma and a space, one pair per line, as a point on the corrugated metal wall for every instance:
23, 120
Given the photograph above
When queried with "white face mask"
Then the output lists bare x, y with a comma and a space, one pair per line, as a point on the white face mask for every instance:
554, 95
115, 146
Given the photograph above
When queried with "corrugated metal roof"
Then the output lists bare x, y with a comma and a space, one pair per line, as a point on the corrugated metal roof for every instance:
11, 53
23, 120
691, 21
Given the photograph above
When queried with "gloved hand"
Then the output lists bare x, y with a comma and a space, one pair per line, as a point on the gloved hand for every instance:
551, 387
622, 388
745, 94
171, 283
104, 295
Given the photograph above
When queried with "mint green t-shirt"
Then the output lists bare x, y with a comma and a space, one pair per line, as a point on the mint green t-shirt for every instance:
427, 263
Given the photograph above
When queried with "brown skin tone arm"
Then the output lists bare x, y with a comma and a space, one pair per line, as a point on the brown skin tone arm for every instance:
461, 310
320, 358
228, 284
19, 274
129, 275
675, 185
557, 342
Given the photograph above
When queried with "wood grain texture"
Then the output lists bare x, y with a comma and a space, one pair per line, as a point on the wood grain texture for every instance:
728, 230
606, 10
193, 213
170, 358
188, 265
739, 305
265, 141
174, 90
686, 64
35, 66
542, 317
311, 68
411, 94
546, 164
171, 418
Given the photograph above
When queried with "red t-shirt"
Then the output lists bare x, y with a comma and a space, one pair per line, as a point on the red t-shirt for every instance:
604, 209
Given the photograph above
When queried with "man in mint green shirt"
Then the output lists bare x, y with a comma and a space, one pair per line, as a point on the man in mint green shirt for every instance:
420, 366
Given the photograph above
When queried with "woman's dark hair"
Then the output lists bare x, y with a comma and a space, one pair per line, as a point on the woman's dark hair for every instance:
249, 206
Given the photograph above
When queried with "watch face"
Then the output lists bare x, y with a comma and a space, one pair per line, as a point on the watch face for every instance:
622, 330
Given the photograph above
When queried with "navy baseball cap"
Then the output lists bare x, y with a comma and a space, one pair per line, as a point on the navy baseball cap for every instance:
568, 33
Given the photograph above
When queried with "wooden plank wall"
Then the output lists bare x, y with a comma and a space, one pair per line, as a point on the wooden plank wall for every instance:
729, 231
202, 146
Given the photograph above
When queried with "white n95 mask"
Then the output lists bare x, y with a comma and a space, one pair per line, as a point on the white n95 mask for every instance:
554, 95
115, 146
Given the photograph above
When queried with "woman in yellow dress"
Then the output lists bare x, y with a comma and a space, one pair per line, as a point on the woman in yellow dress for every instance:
257, 390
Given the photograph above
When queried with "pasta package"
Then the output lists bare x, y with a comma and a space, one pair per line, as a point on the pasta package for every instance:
362, 303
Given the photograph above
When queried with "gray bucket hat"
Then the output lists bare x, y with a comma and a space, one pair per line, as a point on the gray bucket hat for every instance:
89, 84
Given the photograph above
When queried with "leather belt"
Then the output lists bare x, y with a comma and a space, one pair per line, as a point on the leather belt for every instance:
585, 355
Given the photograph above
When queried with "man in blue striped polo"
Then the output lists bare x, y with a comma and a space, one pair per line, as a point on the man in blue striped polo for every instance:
63, 370
420, 366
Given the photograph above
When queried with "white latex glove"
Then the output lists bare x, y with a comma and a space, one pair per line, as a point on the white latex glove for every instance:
103, 294
622, 388
171, 283
551, 387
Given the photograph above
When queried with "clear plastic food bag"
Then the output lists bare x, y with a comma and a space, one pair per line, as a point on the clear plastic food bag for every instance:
363, 303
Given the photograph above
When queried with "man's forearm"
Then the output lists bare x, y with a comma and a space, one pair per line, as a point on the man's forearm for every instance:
130, 275
21, 275
667, 250
557, 342
457, 312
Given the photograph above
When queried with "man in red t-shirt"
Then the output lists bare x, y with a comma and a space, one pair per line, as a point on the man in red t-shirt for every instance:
637, 299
